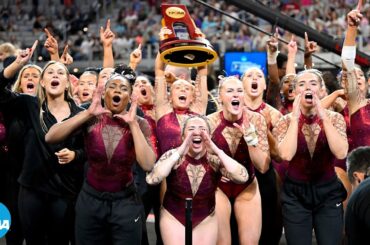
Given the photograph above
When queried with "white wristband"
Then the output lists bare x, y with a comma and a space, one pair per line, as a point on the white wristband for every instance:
271, 57
348, 57
250, 136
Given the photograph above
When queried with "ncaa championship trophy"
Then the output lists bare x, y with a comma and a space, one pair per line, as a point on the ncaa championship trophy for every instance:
184, 46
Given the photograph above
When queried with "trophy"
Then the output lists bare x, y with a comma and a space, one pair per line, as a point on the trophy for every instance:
184, 47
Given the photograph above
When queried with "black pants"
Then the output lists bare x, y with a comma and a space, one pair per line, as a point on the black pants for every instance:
109, 218
150, 196
45, 218
317, 206
272, 221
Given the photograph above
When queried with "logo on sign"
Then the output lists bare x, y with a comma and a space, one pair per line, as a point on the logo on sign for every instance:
5, 220
175, 12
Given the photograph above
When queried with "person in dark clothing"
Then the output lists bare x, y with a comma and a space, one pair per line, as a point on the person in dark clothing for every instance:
26, 82
51, 175
357, 216
109, 210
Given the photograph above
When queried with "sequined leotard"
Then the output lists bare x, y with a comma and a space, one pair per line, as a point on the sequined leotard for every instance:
179, 188
220, 129
111, 153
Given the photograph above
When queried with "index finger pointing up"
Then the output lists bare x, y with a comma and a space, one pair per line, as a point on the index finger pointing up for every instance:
359, 5
47, 32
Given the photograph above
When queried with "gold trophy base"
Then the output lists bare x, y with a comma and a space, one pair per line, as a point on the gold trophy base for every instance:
188, 53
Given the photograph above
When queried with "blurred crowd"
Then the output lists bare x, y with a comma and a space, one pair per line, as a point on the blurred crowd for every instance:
134, 22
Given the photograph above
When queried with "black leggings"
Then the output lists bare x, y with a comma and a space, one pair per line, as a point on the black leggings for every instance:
45, 218
109, 218
308, 206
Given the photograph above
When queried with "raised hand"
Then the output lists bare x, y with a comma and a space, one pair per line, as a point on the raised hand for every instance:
170, 77
136, 56
210, 145
65, 156
310, 47
130, 116
354, 17
25, 55
320, 111
184, 147
106, 35
96, 108
163, 33
66, 58
273, 42
292, 46
51, 43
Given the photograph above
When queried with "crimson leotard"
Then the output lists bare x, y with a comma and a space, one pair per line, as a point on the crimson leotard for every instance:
153, 138
169, 130
111, 153
320, 167
360, 127
287, 107
241, 155
179, 188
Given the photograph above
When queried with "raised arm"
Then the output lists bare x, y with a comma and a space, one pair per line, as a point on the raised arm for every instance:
356, 99
335, 130
22, 59
135, 58
51, 46
310, 47
286, 131
254, 131
144, 152
201, 92
106, 38
160, 88
60, 131
232, 169
273, 89
330, 100
167, 162
292, 52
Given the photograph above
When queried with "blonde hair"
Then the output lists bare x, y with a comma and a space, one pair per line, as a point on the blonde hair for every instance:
17, 85
7, 48
41, 93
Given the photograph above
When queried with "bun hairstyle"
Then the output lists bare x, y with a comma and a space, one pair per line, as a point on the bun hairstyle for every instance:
126, 72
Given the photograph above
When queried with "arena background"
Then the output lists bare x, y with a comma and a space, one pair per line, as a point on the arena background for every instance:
77, 23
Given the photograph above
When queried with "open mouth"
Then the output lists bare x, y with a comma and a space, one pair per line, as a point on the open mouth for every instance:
235, 104
54, 83
197, 142
30, 86
182, 98
116, 99
85, 94
308, 97
254, 85
143, 91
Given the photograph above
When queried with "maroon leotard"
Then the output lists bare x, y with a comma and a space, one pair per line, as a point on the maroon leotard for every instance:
341, 163
241, 155
280, 167
360, 127
320, 167
146, 109
179, 188
287, 107
169, 130
111, 153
